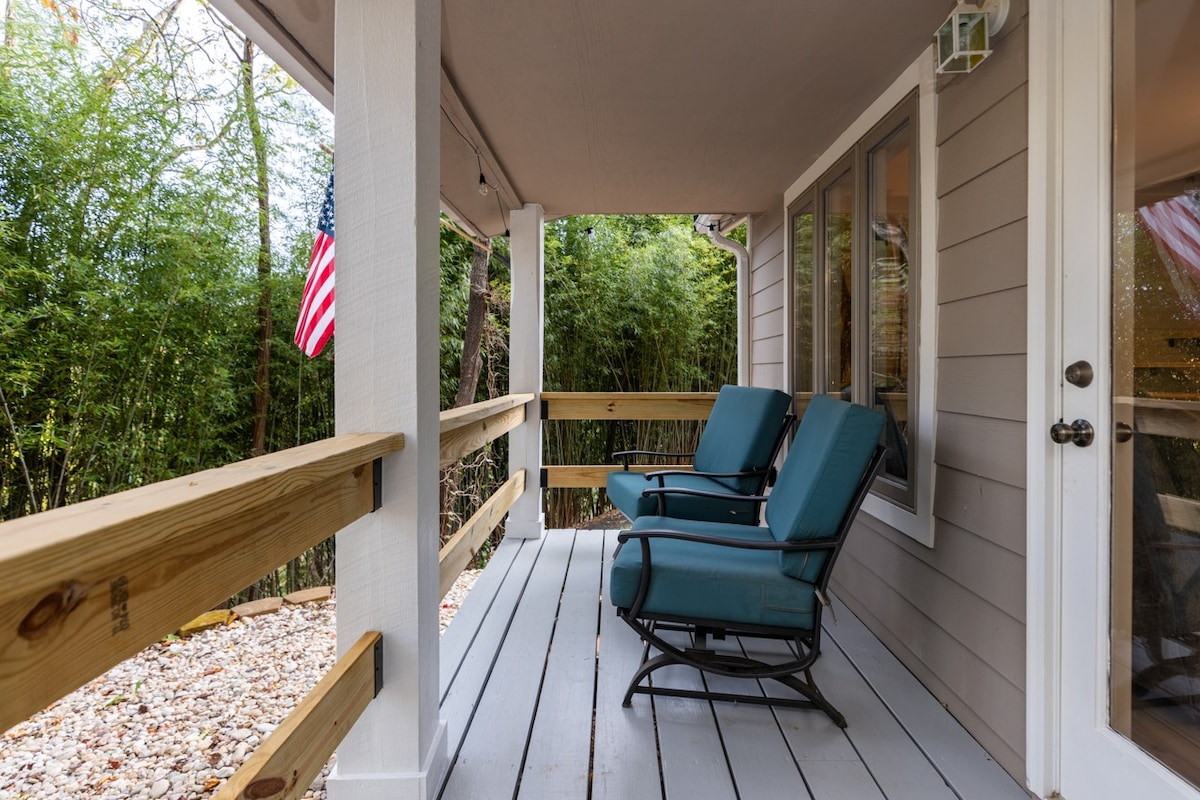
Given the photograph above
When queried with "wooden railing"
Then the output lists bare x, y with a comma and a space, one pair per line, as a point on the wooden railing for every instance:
463, 431
89, 585
655, 406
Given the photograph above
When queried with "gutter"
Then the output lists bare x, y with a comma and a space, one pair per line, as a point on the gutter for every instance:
711, 224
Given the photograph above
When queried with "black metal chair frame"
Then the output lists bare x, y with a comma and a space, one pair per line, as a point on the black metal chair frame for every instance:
807, 642
767, 474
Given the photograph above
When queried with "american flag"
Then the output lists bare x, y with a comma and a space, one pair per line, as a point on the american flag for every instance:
315, 325
1175, 225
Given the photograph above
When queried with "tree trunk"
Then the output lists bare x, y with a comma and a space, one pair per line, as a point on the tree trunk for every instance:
10, 9
468, 374
262, 374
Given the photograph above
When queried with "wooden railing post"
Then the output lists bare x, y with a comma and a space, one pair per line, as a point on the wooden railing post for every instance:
526, 227
389, 55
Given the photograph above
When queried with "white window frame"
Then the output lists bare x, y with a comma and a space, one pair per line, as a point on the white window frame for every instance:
918, 522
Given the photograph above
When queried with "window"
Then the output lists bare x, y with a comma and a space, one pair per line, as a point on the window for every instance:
853, 236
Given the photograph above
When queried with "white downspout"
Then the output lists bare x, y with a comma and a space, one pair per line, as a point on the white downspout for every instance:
710, 224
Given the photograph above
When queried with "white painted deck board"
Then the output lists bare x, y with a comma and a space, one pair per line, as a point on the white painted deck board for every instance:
831, 766
464, 682
895, 761
626, 751
693, 755
525, 718
489, 761
965, 764
758, 754
457, 640
559, 752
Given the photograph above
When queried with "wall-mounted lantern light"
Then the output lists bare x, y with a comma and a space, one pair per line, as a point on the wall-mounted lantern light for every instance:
962, 40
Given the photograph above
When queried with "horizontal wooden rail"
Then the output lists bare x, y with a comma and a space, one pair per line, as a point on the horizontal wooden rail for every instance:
454, 418
1180, 512
629, 405
1179, 419
88, 585
464, 430
293, 755
594, 476
465, 543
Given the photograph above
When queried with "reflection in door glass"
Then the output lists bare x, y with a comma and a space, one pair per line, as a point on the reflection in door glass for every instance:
1155, 659
802, 336
839, 233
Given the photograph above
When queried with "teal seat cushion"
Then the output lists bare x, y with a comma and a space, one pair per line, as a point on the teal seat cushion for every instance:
741, 433
625, 491
719, 584
831, 451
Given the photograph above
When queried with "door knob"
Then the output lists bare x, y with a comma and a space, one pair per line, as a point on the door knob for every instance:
1079, 374
1079, 432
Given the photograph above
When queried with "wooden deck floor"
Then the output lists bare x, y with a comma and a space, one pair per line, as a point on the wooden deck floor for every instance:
535, 664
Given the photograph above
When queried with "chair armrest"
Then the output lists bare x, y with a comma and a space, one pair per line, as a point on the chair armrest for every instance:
721, 541
749, 473
624, 455
728, 497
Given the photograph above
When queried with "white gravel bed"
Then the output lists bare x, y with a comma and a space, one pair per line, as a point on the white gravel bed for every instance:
180, 717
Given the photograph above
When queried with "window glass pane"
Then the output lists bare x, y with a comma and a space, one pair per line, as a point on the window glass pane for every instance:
889, 210
839, 213
802, 342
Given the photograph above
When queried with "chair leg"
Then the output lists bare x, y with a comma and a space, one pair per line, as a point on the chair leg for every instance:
647, 667
808, 688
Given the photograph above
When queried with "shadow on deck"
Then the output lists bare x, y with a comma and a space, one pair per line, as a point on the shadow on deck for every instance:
534, 667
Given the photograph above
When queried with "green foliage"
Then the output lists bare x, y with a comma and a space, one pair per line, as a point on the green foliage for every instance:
633, 304
127, 252
128, 281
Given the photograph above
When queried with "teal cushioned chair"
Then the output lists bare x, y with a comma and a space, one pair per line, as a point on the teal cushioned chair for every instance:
739, 444
722, 579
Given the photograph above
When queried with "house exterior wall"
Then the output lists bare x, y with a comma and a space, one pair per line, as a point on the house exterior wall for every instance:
768, 287
954, 614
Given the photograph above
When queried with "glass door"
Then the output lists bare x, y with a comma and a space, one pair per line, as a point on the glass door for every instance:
1155, 616
1131, 499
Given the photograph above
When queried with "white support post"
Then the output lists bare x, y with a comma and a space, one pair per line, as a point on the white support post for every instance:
387, 126
527, 234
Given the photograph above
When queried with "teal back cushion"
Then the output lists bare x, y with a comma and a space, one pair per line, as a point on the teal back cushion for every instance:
741, 433
832, 449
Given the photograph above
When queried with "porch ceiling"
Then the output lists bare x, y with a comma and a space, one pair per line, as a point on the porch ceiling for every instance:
623, 106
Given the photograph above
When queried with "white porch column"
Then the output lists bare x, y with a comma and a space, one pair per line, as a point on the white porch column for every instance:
526, 320
387, 109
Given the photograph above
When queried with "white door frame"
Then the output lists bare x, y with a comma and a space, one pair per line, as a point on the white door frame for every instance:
1043, 560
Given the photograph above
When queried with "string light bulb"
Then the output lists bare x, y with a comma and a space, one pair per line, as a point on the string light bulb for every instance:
483, 186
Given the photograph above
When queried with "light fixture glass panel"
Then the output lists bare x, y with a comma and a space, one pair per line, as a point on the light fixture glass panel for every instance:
962, 41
